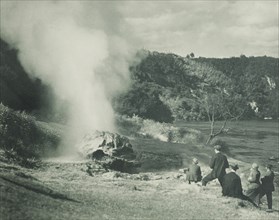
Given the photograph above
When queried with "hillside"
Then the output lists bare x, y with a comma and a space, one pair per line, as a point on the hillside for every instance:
18, 90
165, 87
259, 77
170, 85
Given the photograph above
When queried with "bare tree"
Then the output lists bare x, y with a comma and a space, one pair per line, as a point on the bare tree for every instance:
218, 101
218, 108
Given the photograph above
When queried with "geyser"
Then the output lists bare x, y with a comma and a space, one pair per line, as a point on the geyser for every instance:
76, 47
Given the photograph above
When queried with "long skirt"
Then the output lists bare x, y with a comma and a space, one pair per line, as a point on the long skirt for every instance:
254, 194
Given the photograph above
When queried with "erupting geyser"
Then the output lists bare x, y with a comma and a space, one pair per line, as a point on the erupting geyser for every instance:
76, 47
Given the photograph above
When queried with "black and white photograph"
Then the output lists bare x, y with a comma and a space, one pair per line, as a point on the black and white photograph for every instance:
139, 109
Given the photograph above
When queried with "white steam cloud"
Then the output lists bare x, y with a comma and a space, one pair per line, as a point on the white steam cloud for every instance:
79, 48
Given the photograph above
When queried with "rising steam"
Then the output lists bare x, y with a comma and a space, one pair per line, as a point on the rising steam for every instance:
76, 47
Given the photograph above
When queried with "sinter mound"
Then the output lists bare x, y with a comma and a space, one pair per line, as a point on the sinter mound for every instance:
112, 150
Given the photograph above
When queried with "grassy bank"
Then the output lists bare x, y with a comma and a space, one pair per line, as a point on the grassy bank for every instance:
25, 140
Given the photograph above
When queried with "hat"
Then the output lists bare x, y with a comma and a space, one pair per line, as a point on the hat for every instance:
217, 147
195, 160
255, 166
234, 166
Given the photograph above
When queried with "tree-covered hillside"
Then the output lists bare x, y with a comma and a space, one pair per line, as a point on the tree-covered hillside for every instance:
167, 87
258, 77
17, 89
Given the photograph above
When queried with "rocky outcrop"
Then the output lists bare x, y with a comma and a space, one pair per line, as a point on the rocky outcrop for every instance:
112, 150
98, 144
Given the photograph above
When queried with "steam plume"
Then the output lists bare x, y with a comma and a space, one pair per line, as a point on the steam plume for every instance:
76, 47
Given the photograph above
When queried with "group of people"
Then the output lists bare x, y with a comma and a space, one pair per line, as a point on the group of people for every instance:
231, 182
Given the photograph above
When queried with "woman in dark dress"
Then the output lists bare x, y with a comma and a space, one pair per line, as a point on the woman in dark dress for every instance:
232, 184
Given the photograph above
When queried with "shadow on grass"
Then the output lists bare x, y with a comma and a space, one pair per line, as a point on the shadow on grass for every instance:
35, 187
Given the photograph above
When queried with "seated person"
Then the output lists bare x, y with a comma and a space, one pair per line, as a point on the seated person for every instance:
232, 184
194, 172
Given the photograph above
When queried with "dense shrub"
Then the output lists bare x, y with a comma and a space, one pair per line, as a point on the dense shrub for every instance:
24, 139
143, 100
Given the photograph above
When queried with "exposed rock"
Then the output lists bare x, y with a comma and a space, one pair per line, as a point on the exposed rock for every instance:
110, 150
99, 144
98, 154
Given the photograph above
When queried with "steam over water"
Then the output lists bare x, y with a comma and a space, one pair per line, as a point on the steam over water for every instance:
76, 47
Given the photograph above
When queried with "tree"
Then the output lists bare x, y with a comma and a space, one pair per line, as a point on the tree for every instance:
218, 99
143, 99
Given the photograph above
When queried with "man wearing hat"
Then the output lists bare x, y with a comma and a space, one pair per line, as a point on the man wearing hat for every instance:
232, 184
268, 186
218, 164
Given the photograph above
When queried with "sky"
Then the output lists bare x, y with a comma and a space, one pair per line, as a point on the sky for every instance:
206, 28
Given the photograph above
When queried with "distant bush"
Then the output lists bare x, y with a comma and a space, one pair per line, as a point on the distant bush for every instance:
126, 126
23, 139
161, 131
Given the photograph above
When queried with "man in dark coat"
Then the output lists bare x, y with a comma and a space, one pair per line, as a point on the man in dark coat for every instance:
232, 184
268, 186
218, 164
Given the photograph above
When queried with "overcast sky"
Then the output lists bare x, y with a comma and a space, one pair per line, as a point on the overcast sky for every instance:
207, 28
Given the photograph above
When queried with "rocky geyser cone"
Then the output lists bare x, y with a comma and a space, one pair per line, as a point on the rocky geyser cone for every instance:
114, 151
